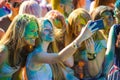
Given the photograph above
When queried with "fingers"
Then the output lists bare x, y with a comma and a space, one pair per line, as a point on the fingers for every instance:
92, 26
89, 43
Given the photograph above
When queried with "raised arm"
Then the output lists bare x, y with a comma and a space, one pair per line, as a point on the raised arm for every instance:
65, 53
110, 52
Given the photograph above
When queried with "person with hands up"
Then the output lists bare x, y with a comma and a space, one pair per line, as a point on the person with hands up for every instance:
38, 61
89, 56
112, 68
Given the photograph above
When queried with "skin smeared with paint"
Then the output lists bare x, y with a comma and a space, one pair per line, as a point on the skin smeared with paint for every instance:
47, 31
30, 33
112, 52
108, 21
57, 23
64, 6
79, 25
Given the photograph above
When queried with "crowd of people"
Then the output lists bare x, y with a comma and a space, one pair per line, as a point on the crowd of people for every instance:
59, 40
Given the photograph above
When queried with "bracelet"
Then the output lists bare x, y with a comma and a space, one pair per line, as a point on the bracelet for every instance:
75, 45
91, 56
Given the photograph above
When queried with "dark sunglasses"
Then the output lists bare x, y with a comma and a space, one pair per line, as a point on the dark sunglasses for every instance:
16, 4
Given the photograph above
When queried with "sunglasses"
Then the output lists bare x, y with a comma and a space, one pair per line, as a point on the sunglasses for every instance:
16, 4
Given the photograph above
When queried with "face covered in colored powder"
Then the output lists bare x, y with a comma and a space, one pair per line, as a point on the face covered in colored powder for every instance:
80, 23
66, 7
47, 31
31, 33
108, 19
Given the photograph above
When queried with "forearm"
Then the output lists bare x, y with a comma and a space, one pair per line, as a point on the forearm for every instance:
93, 67
67, 52
107, 64
70, 49
69, 62
109, 55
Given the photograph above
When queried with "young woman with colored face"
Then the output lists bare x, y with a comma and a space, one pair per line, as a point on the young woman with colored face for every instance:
105, 13
18, 41
113, 47
60, 25
63, 6
89, 56
97, 3
38, 62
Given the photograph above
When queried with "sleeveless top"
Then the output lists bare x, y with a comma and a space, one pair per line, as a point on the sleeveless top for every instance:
38, 72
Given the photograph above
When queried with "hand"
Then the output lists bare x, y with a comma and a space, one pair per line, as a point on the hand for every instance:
85, 32
90, 45
118, 41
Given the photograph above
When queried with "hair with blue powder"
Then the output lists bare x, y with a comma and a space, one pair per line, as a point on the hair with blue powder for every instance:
117, 4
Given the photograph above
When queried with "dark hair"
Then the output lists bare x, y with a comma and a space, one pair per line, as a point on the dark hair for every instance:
92, 0
16, 4
117, 49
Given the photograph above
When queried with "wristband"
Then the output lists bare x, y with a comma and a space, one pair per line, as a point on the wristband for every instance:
75, 45
91, 56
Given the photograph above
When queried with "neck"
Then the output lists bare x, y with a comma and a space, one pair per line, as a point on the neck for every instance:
104, 33
44, 45
11, 16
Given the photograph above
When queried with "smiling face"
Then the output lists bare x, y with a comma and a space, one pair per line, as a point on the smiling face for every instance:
47, 31
31, 33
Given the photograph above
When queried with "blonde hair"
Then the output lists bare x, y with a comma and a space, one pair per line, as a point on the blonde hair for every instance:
30, 7
59, 24
56, 17
13, 38
72, 19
